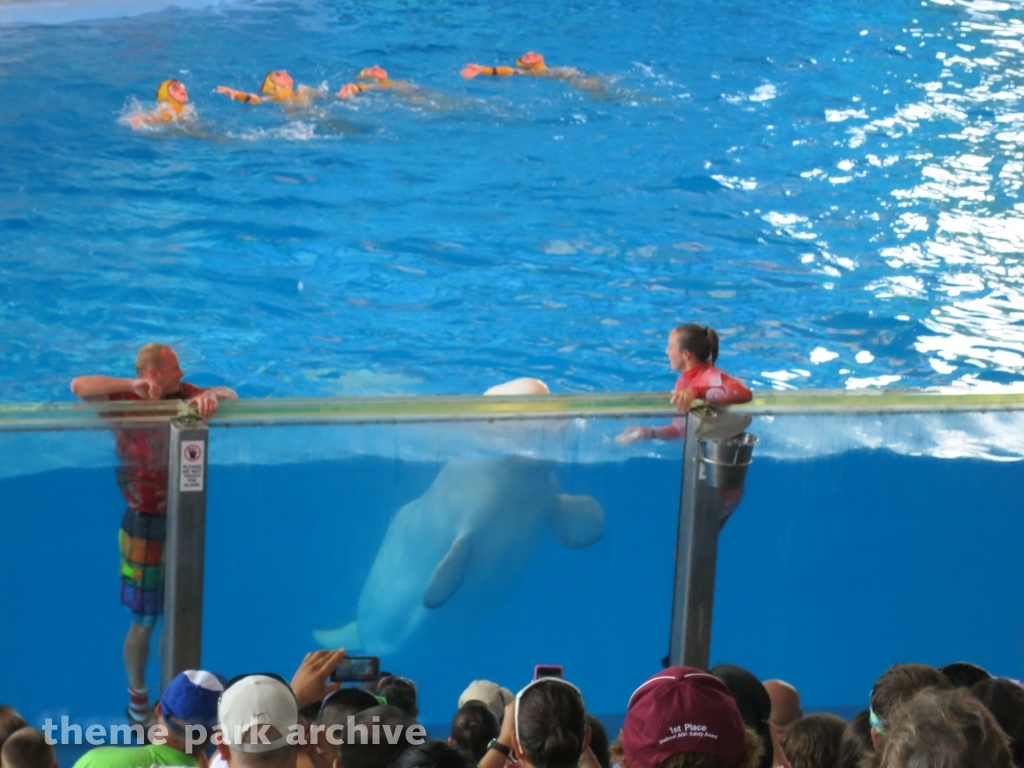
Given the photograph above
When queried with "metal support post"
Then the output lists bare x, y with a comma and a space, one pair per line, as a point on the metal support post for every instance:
696, 556
184, 552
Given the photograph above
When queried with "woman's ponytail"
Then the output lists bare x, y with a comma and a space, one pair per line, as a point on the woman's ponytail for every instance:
701, 342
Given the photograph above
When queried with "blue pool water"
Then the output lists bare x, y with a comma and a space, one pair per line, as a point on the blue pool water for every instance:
834, 186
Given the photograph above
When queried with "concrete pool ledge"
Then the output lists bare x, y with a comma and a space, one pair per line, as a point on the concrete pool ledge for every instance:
270, 411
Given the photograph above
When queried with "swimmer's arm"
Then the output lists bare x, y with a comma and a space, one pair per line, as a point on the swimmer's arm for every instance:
98, 387
351, 89
472, 70
158, 115
242, 96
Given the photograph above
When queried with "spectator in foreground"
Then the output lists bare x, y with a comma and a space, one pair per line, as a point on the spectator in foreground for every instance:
473, 727
359, 753
685, 718
599, 742
856, 743
813, 741
255, 706
433, 754
399, 692
189, 699
897, 685
964, 674
10, 721
755, 707
944, 727
1005, 700
493, 695
550, 724
786, 708
337, 707
27, 748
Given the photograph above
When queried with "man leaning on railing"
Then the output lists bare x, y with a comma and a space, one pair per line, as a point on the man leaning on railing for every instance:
142, 476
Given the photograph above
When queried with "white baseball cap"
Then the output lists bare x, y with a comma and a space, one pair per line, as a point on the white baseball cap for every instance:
491, 694
249, 704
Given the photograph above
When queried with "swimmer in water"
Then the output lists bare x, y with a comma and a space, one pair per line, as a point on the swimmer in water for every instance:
692, 350
278, 86
532, 64
171, 98
377, 78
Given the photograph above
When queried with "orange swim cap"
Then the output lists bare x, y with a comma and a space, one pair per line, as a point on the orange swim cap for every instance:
530, 60
374, 71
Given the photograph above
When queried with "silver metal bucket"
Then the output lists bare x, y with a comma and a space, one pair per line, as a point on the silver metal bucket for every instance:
726, 461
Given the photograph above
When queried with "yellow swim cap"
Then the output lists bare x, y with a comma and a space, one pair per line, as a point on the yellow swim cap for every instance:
163, 95
269, 87
163, 92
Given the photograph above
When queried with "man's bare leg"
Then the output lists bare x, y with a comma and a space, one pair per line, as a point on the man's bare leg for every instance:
136, 654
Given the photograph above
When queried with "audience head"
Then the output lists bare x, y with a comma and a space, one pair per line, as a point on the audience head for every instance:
786, 708
964, 674
250, 705
473, 726
685, 718
1005, 700
813, 741
358, 749
433, 754
191, 699
856, 741
754, 703
493, 695
27, 748
10, 721
944, 728
599, 741
700, 342
344, 702
399, 692
897, 685
550, 724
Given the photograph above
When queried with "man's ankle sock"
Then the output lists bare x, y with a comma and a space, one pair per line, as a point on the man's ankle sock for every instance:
138, 703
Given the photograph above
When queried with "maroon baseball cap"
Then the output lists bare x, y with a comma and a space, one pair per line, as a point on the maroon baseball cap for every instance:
682, 709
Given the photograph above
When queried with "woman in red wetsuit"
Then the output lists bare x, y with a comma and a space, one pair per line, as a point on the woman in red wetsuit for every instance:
693, 350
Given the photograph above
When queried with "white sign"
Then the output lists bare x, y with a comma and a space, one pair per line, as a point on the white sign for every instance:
192, 465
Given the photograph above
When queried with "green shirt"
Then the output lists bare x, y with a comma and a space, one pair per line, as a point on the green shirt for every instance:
135, 757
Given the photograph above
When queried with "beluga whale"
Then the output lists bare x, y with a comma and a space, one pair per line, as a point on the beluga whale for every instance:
453, 555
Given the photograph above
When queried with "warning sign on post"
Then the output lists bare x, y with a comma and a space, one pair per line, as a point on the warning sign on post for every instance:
192, 465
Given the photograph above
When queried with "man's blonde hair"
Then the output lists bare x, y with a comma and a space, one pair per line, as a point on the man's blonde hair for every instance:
149, 356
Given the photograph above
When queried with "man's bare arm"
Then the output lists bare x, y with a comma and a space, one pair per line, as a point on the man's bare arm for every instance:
98, 387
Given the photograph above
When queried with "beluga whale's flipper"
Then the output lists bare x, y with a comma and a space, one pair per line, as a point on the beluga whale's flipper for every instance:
449, 574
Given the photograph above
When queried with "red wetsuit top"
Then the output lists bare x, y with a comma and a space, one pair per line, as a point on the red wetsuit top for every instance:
142, 453
710, 385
